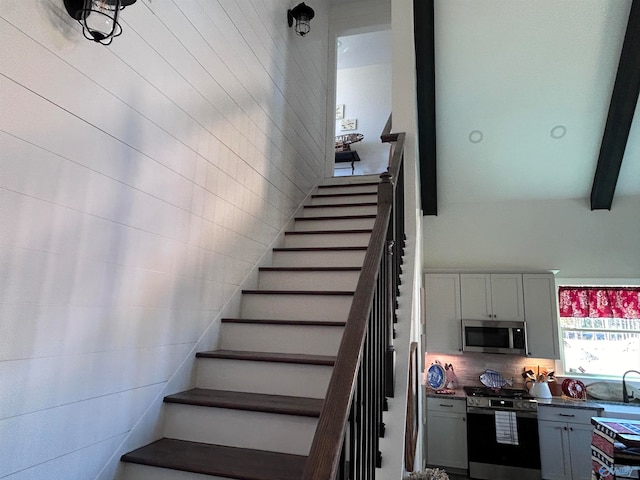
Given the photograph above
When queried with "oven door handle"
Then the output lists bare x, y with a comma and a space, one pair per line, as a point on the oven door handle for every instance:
492, 411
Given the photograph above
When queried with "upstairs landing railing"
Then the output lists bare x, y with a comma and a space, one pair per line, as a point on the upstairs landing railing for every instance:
346, 442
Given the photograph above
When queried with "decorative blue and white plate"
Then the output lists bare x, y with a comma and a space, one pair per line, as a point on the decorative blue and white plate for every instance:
436, 376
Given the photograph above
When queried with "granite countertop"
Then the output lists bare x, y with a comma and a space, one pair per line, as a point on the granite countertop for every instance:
569, 403
459, 394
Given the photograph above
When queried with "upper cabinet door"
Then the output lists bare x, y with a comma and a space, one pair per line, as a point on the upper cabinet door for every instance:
506, 296
492, 296
541, 315
442, 311
475, 289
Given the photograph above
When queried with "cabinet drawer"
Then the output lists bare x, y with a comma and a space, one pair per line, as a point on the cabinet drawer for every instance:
449, 405
568, 415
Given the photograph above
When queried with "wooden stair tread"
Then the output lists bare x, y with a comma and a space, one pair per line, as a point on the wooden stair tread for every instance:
297, 292
347, 185
207, 459
342, 205
313, 323
317, 249
301, 358
326, 232
257, 402
336, 217
310, 269
345, 194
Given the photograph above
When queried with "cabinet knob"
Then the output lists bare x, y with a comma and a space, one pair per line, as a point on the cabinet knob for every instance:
564, 428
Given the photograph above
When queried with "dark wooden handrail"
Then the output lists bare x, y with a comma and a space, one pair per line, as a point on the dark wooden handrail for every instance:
386, 136
323, 462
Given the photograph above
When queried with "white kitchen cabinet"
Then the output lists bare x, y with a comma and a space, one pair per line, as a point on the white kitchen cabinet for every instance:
565, 442
447, 432
442, 312
541, 315
492, 296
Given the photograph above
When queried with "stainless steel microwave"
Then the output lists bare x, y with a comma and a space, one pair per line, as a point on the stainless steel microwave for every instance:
491, 336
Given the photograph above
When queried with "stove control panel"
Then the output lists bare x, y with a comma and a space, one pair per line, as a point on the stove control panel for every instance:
503, 403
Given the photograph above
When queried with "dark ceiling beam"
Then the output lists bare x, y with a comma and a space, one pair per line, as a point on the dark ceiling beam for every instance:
623, 103
424, 32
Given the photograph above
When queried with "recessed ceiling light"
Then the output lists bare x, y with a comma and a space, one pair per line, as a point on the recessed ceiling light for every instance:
558, 131
339, 43
475, 136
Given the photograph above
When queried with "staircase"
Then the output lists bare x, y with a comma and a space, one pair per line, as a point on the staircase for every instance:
254, 411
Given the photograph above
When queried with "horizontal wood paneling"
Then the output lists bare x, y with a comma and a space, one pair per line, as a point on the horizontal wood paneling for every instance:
139, 185
35, 438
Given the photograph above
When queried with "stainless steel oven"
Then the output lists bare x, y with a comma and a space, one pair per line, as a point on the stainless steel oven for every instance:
502, 434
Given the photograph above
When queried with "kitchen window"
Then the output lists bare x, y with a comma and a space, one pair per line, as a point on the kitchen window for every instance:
600, 329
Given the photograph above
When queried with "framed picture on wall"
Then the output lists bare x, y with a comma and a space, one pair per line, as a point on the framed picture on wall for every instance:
339, 112
348, 124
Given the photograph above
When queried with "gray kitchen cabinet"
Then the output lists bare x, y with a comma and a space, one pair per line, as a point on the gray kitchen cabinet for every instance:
541, 315
442, 312
447, 432
492, 296
565, 442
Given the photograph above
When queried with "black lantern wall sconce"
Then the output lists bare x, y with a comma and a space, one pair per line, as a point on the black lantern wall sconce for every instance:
99, 18
301, 14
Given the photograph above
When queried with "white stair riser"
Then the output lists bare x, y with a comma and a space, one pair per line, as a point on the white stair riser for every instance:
264, 377
318, 280
334, 200
327, 240
134, 471
296, 307
344, 258
334, 224
240, 428
339, 211
309, 339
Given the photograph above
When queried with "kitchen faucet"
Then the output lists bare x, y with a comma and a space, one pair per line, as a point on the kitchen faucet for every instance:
625, 395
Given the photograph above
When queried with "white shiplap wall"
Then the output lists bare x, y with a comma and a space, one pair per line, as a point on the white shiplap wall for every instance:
139, 185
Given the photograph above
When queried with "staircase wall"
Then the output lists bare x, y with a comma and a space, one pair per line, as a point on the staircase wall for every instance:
140, 184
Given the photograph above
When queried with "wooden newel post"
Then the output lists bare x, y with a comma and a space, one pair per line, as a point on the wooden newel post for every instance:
385, 190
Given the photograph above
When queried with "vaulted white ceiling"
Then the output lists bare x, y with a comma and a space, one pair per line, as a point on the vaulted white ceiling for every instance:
522, 92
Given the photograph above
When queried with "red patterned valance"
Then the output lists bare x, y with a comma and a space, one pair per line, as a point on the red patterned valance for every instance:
597, 302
